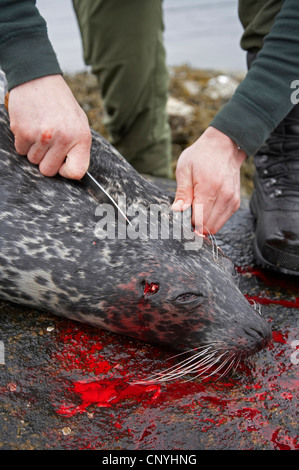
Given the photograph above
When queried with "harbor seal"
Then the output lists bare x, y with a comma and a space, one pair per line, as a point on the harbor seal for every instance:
54, 257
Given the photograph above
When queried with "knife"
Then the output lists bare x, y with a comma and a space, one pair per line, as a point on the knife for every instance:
90, 180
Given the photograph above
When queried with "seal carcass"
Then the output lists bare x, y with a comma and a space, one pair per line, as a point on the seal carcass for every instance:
54, 256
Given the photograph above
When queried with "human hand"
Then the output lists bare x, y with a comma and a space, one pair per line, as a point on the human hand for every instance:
208, 173
50, 127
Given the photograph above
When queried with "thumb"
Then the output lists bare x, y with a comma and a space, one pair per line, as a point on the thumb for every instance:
184, 192
77, 162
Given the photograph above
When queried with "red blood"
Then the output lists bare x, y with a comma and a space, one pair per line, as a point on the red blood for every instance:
266, 301
287, 395
46, 137
104, 393
99, 378
147, 431
262, 396
283, 442
151, 288
278, 337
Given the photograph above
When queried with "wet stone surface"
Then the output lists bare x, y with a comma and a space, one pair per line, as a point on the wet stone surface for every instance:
66, 385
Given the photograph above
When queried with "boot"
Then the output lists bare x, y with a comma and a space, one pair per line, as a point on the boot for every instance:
275, 199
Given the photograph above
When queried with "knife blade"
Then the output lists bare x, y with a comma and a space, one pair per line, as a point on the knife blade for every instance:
89, 179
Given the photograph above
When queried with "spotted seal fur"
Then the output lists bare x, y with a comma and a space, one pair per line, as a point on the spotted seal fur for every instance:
151, 289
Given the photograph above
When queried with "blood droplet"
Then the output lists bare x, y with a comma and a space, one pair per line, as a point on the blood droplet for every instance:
151, 288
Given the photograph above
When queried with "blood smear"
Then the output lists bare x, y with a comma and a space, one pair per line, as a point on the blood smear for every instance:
105, 393
266, 301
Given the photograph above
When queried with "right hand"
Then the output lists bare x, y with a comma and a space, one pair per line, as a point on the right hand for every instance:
208, 174
50, 127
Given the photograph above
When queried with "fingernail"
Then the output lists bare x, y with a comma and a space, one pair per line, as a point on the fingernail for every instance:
199, 233
177, 205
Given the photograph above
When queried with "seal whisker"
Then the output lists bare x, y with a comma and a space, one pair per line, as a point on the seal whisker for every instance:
205, 348
205, 369
230, 366
215, 248
181, 372
168, 374
208, 366
212, 364
259, 308
187, 366
205, 364
237, 364
176, 370
228, 363
205, 361
256, 305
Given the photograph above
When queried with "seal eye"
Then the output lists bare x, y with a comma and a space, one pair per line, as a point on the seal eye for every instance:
187, 297
150, 289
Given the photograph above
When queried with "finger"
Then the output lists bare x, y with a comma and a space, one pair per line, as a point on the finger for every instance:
36, 153
22, 145
183, 198
197, 217
202, 206
213, 225
222, 213
184, 192
53, 159
214, 222
77, 162
201, 214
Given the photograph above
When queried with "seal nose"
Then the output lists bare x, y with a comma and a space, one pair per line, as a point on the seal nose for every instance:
258, 335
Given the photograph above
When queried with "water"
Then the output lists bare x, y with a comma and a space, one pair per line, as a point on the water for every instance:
201, 33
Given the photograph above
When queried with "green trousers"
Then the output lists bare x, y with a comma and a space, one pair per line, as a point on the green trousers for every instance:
123, 43
257, 18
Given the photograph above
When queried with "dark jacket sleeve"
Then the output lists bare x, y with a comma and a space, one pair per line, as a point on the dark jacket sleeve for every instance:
263, 99
25, 50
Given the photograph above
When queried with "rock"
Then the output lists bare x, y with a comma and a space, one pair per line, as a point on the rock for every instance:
221, 87
177, 107
192, 87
